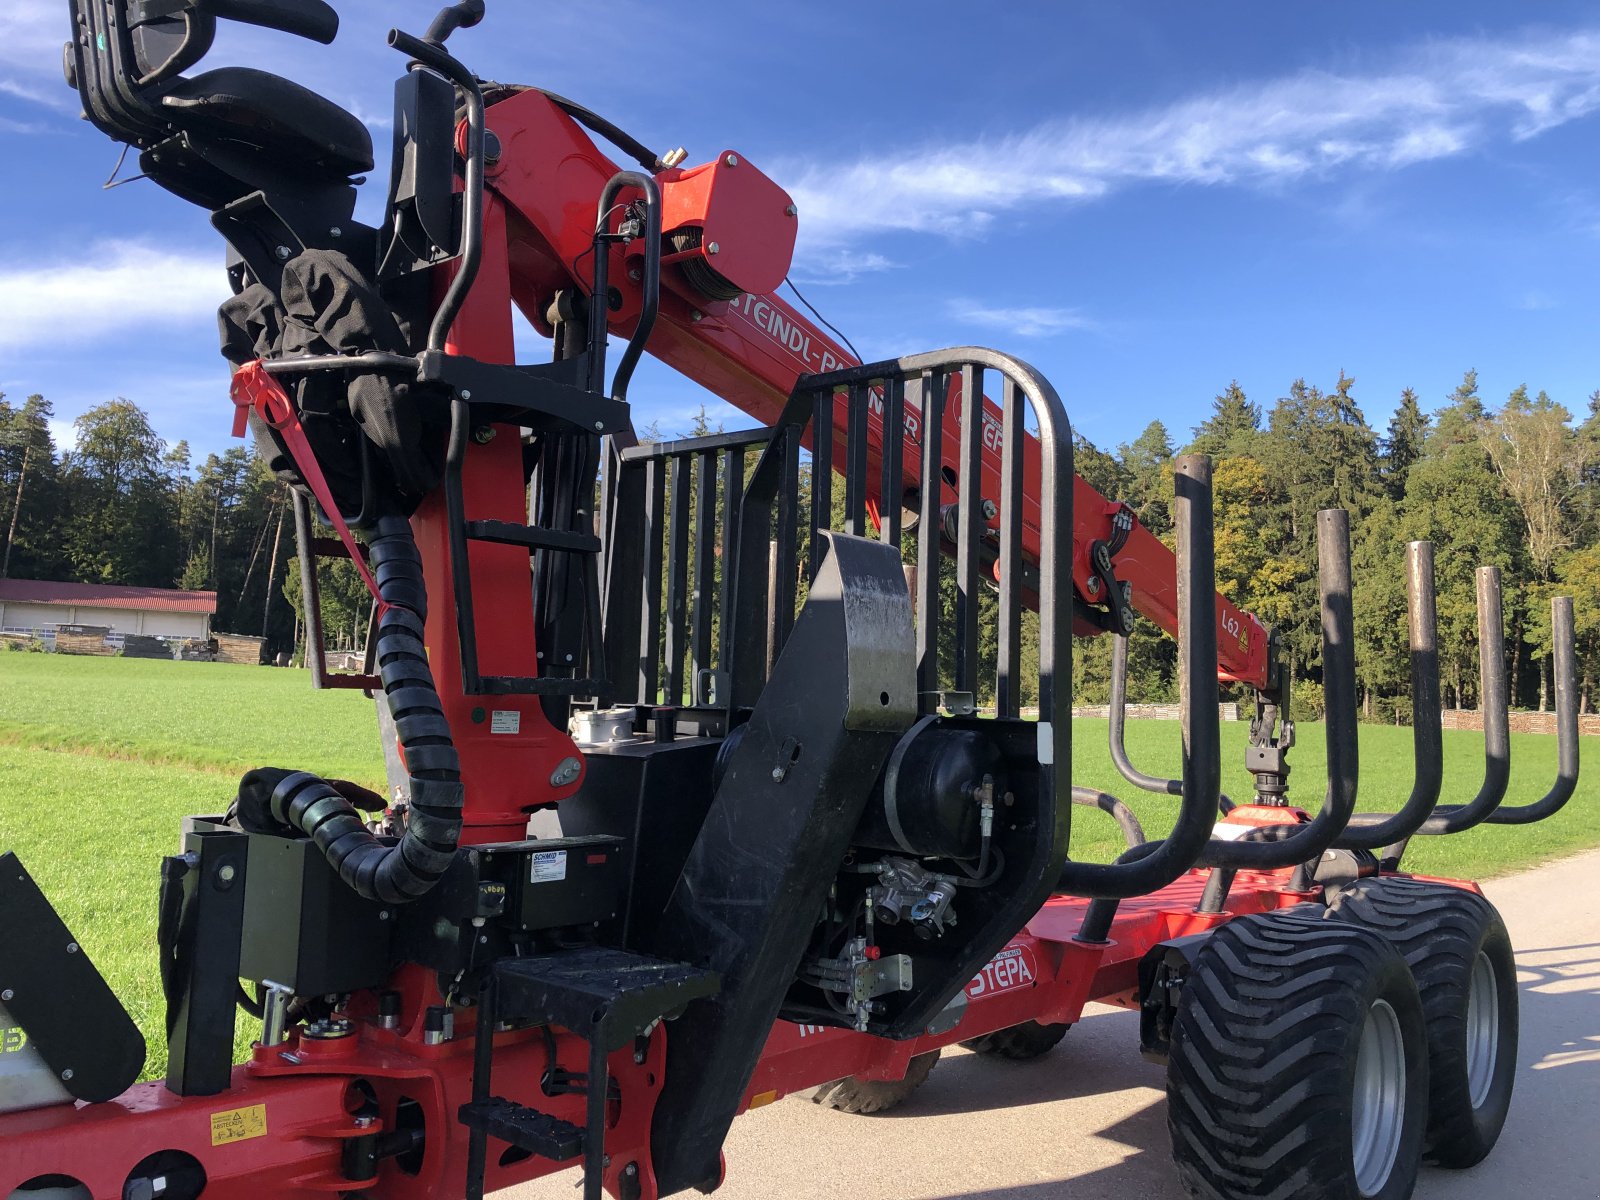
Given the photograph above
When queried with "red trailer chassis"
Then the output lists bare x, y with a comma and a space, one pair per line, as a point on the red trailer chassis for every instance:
283, 1129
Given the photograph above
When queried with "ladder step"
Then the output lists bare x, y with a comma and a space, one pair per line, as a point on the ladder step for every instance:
600, 993
525, 1128
508, 534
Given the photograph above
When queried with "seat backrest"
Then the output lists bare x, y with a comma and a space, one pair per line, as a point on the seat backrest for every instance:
125, 48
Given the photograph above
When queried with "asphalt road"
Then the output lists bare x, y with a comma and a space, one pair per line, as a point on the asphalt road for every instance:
1088, 1121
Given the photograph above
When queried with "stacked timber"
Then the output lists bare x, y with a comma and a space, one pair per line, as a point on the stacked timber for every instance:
239, 648
139, 645
1226, 711
83, 639
1520, 722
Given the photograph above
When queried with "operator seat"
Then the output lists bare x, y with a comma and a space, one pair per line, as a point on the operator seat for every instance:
127, 63
272, 115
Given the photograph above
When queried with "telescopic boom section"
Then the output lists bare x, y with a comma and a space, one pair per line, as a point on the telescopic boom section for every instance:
752, 350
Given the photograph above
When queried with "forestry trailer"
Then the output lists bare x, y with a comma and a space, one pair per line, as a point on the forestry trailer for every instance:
776, 844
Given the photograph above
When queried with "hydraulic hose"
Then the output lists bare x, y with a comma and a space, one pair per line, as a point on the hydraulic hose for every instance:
279, 801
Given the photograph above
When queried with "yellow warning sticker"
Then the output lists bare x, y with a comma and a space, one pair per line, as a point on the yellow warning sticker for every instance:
238, 1124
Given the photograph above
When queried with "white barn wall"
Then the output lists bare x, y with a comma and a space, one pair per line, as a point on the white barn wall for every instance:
14, 615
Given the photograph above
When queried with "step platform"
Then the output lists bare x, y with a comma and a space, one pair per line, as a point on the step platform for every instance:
525, 1128
606, 996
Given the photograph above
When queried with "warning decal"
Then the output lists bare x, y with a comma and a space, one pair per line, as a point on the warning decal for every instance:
238, 1124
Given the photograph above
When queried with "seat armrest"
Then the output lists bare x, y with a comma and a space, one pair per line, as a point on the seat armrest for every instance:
306, 18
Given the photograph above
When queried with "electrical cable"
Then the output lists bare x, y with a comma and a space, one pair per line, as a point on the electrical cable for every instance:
833, 328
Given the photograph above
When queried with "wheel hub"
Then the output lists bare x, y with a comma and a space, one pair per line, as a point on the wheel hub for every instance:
1377, 1111
1483, 1029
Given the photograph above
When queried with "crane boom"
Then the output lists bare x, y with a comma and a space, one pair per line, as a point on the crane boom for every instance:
752, 350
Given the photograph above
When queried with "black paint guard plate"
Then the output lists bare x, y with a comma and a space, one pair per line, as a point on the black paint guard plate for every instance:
58, 997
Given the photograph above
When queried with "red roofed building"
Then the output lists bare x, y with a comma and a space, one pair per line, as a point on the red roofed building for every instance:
31, 605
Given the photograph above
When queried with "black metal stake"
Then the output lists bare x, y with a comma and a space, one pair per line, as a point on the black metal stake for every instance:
1369, 831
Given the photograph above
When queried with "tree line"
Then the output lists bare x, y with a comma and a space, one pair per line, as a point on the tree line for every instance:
1512, 485
1515, 485
122, 506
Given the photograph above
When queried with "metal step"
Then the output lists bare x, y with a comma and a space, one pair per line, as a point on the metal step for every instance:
525, 1128
538, 685
507, 533
604, 995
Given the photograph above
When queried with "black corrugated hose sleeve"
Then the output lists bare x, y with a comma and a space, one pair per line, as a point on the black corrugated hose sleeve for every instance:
391, 874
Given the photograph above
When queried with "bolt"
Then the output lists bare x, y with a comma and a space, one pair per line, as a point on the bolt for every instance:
600, 426
66, 1076
732, 160
336, 232
635, 274
483, 434
696, 315
366, 1122
383, 915
483, 939
283, 253
1093, 586
466, 395
7, 994
226, 872
638, 1057
989, 510
791, 211
778, 774
72, 947
713, 248
631, 1170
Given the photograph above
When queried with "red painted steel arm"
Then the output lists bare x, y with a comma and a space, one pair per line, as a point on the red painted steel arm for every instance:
752, 350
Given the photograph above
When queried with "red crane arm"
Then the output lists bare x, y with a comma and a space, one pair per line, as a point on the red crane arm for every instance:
751, 350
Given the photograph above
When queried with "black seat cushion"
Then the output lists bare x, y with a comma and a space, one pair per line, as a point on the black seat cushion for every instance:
274, 115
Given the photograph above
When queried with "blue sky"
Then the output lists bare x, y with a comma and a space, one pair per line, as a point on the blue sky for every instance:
1146, 201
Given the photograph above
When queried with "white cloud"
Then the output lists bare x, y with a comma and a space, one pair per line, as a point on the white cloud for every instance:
841, 265
35, 33
1439, 100
65, 435
108, 288
1022, 322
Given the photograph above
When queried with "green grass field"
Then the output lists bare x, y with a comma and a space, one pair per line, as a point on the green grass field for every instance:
101, 758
